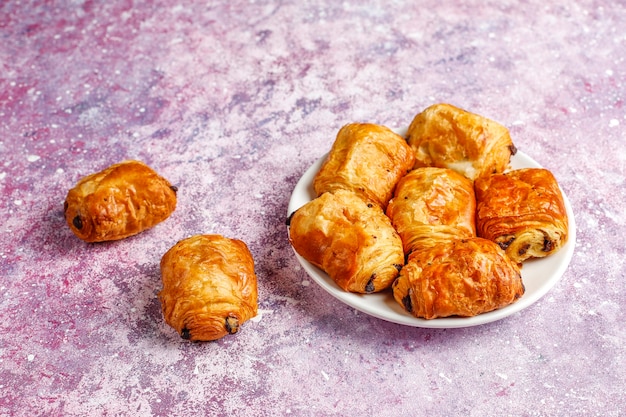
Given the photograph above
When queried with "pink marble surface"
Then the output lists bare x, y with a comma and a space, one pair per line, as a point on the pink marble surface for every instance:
232, 101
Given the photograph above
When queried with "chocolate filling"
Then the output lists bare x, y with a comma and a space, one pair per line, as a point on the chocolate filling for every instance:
506, 243
548, 244
523, 249
370, 284
231, 324
77, 222
185, 333
406, 302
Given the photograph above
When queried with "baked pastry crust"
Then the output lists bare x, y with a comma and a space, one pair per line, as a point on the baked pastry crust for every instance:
350, 239
458, 277
209, 287
447, 136
367, 159
522, 211
119, 201
431, 204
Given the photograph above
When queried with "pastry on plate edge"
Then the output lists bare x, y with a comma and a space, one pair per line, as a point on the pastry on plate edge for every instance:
366, 158
349, 238
458, 277
446, 136
523, 211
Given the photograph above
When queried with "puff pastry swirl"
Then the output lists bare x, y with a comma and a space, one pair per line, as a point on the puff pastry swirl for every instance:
367, 159
431, 204
209, 287
458, 277
119, 201
350, 239
446, 136
522, 211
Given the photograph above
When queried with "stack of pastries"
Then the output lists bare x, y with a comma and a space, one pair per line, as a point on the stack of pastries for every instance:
436, 218
344, 231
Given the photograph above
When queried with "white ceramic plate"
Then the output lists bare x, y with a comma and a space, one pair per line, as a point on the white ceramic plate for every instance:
539, 275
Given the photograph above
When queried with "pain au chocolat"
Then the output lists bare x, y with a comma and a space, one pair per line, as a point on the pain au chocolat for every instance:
446, 136
458, 277
120, 201
209, 287
349, 238
367, 159
430, 204
522, 211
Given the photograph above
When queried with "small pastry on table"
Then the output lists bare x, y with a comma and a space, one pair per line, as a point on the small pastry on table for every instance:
209, 287
120, 201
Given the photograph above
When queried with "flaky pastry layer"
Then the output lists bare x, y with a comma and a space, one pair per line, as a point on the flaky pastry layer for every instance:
430, 204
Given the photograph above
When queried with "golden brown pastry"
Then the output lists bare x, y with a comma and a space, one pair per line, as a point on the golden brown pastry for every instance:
209, 287
366, 158
522, 211
430, 204
446, 136
120, 201
350, 239
458, 277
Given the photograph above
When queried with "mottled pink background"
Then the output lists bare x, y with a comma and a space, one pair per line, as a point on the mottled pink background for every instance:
232, 101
